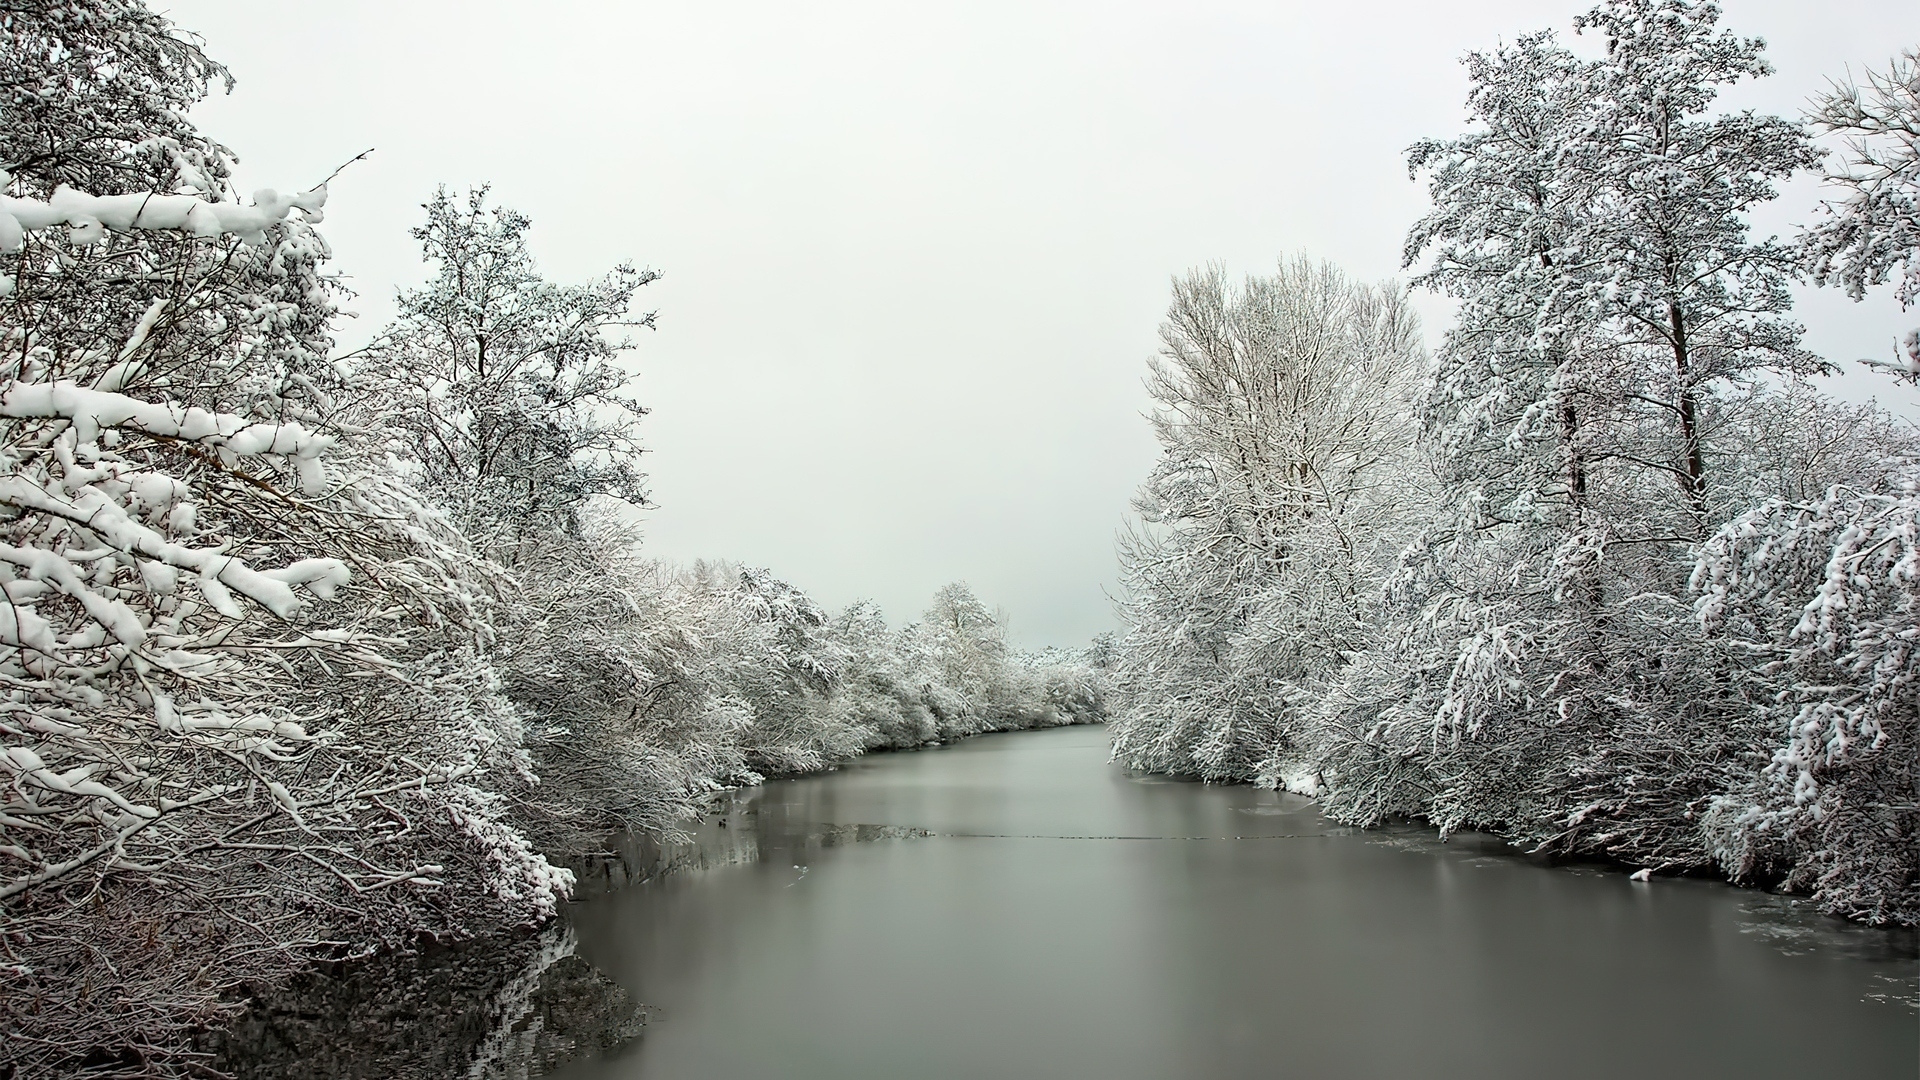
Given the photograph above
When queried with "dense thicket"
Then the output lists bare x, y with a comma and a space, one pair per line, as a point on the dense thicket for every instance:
248, 714
304, 658
1639, 591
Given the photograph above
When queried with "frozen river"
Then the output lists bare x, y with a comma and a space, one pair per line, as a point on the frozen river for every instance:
1014, 906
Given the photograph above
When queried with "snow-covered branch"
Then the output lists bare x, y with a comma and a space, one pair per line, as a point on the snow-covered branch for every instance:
88, 217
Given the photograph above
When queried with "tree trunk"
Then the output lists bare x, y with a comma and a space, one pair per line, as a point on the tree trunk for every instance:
1694, 482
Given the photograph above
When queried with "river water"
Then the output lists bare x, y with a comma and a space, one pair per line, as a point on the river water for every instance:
1014, 906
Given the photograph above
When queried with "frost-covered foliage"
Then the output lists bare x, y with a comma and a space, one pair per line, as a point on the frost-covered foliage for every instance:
878, 691
1552, 684
94, 95
501, 389
1660, 604
1872, 234
504, 395
1817, 590
249, 716
678, 682
1823, 599
1284, 417
608, 670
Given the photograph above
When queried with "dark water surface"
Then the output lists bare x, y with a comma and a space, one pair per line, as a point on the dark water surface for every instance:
1014, 906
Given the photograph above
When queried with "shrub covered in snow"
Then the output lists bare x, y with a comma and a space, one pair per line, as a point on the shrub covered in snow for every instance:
1822, 600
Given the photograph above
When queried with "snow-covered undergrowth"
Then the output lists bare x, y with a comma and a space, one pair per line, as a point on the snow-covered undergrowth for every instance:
1824, 597
1605, 575
305, 657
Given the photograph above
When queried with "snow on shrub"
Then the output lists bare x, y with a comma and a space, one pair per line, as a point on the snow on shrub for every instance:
1824, 598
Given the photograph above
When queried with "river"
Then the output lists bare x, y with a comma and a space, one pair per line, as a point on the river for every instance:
1015, 906
1066, 919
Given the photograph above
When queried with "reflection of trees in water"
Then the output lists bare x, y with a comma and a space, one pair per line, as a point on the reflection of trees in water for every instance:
499, 1009
746, 827
1795, 926
733, 835
513, 1007
558, 1008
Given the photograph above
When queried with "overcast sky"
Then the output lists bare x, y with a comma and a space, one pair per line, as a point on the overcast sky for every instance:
915, 253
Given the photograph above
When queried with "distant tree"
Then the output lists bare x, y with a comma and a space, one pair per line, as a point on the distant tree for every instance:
504, 390
1793, 442
876, 687
1285, 417
625, 686
959, 649
795, 667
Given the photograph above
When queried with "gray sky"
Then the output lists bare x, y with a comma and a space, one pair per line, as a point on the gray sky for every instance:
915, 254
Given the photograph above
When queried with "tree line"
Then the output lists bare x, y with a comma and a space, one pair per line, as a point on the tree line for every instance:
307, 656
1606, 574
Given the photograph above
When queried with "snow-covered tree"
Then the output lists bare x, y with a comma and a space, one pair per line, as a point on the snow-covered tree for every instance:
790, 666
1593, 228
1502, 576
1687, 297
877, 692
1818, 587
249, 718
1823, 597
503, 394
1285, 419
504, 390
959, 656
1792, 442
1544, 676
1872, 233
623, 681
96, 92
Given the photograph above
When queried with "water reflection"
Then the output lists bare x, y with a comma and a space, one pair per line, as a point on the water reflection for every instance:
502, 1009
